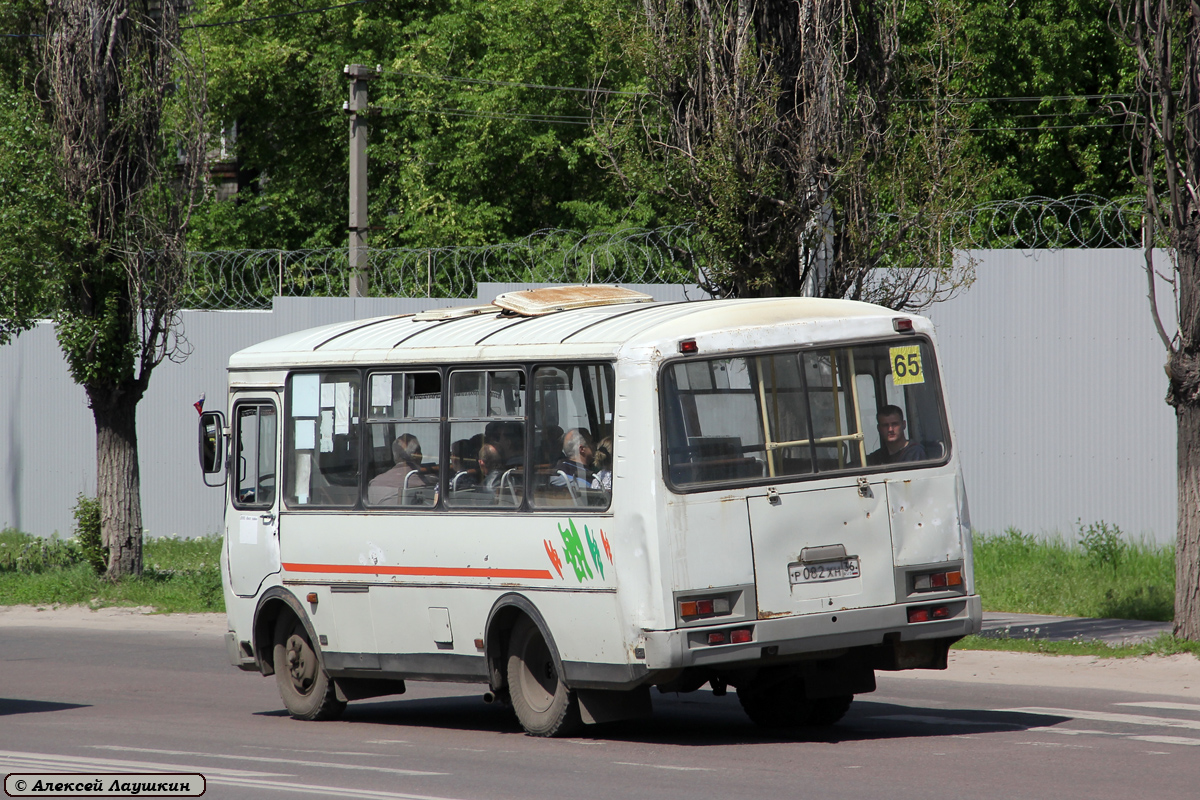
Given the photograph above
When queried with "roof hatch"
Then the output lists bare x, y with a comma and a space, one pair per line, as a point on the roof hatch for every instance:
551, 299
454, 312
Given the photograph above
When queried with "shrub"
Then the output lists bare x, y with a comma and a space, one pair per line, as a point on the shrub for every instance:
29, 555
1102, 542
87, 533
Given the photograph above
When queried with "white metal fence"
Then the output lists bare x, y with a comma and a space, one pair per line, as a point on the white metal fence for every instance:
1052, 367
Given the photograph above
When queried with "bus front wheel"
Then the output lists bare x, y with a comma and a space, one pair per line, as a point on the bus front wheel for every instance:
306, 689
542, 702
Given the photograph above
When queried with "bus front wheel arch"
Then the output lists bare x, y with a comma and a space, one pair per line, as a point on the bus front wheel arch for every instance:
543, 702
305, 687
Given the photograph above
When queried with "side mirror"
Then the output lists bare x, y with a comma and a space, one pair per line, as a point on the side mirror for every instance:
212, 446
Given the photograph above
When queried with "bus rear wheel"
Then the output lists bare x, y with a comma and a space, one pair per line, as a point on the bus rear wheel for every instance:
782, 705
542, 702
306, 688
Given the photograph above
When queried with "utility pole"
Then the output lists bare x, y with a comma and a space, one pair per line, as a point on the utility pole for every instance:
359, 114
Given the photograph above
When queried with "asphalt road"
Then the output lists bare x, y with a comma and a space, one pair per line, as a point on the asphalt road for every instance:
125, 701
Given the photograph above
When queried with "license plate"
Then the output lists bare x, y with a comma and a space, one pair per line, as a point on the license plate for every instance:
824, 571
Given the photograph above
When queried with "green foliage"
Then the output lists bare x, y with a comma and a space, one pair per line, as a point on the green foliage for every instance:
1019, 573
35, 220
26, 555
181, 575
1102, 542
87, 533
451, 162
1067, 137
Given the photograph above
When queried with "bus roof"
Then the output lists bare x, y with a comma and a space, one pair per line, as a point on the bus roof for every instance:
630, 329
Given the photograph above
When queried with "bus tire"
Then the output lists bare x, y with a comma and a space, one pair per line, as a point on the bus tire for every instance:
305, 686
542, 702
782, 705
828, 710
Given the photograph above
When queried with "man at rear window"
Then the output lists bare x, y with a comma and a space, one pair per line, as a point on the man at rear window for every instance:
894, 446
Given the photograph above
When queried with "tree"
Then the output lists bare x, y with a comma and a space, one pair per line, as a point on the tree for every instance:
816, 144
464, 148
1165, 35
120, 145
1047, 90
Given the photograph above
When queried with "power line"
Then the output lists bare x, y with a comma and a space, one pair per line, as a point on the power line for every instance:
274, 16
466, 112
1051, 127
454, 78
971, 100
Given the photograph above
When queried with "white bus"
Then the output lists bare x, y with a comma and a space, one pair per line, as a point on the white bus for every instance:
573, 495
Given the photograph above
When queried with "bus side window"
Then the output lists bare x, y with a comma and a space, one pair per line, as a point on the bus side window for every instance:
487, 426
322, 439
404, 435
572, 424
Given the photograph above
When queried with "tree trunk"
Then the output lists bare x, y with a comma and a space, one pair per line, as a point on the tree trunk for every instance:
1183, 371
118, 481
1187, 544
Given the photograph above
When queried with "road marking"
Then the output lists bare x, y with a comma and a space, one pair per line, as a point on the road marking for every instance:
272, 759
1104, 716
1167, 706
1060, 744
332, 791
664, 766
47, 762
1168, 740
322, 752
1074, 731
931, 720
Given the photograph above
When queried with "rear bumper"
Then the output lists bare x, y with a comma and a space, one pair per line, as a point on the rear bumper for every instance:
810, 633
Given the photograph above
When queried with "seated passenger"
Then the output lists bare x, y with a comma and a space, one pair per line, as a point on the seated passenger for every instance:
491, 467
577, 446
550, 450
388, 487
602, 463
512, 444
894, 448
464, 466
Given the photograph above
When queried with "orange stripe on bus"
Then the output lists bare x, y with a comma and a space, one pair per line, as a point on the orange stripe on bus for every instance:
439, 572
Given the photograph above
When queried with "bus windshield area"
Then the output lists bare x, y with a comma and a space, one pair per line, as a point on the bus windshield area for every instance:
784, 415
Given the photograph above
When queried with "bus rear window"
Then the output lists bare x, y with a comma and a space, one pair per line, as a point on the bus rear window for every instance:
783, 415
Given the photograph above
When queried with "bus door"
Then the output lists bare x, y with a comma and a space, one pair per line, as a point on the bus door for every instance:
252, 516
822, 550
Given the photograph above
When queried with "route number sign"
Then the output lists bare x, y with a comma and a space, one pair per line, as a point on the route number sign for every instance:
906, 365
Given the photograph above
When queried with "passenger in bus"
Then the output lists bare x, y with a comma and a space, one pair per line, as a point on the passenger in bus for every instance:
512, 444
894, 447
577, 447
464, 466
491, 467
388, 487
602, 465
550, 450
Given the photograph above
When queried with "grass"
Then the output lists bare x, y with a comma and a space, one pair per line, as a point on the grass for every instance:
1163, 645
179, 575
1100, 574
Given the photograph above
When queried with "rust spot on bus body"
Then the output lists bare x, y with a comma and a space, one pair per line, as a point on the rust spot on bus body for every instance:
773, 614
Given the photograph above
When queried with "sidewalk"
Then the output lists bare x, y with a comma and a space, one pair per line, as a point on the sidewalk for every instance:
998, 625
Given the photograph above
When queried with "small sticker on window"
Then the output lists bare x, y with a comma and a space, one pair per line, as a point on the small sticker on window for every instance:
381, 391
906, 365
